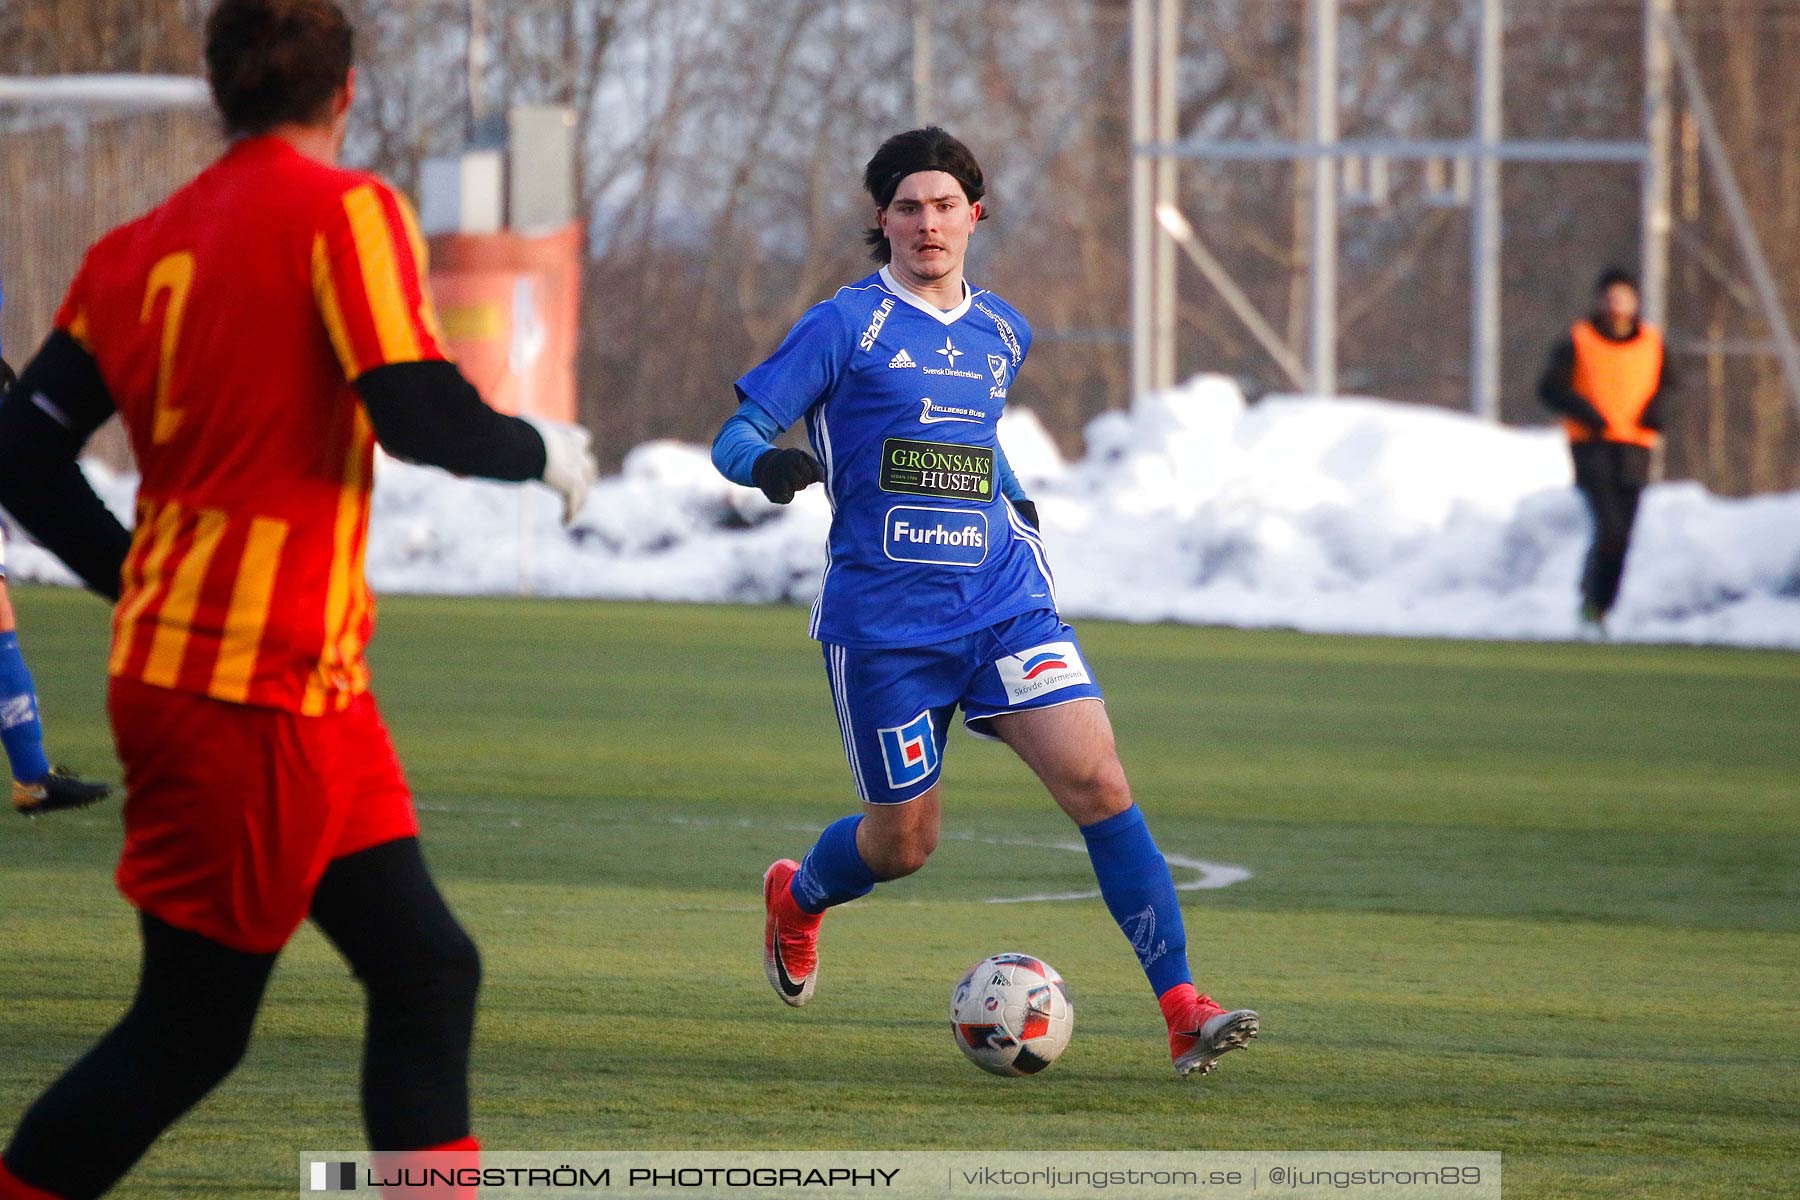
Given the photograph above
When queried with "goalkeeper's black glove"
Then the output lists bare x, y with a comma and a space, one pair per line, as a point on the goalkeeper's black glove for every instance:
781, 473
1028, 510
7, 378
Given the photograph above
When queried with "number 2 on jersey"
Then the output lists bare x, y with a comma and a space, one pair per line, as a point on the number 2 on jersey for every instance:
174, 274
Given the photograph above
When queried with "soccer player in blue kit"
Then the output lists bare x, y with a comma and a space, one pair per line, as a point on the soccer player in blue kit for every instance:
937, 592
38, 787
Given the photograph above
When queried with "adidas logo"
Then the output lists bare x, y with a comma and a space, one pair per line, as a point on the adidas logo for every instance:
902, 359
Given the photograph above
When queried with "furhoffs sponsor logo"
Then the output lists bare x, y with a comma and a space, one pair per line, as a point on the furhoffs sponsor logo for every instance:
945, 537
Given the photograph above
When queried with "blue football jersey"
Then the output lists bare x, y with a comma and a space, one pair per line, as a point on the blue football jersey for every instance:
902, 401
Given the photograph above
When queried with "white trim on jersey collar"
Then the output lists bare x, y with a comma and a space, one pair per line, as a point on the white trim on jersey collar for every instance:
925, 306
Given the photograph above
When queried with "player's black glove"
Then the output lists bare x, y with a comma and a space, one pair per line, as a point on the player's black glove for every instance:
781, 473
1028, 510
7, 378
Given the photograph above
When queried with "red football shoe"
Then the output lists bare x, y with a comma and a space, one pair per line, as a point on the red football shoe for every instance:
790, 937
1200, 1030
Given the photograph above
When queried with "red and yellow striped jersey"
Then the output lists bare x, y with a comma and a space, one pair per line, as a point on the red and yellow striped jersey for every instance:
229, 325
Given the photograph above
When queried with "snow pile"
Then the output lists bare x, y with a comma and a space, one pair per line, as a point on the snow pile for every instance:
1352, 516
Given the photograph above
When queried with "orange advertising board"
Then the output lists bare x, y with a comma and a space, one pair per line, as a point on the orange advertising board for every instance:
509, 305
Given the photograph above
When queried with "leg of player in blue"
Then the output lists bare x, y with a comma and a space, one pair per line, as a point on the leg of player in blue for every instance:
894, 743
885, 841
19, 725
1070, 747
36, 787
795, 897
833, 871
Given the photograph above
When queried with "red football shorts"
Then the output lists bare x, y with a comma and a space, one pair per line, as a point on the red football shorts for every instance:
233, 812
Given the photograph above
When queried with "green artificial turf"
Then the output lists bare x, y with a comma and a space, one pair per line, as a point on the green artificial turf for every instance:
1540, 899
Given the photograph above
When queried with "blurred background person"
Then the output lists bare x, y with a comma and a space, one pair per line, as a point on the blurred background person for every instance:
1609, 378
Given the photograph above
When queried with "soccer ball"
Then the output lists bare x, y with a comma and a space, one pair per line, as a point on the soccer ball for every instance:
1011, 1014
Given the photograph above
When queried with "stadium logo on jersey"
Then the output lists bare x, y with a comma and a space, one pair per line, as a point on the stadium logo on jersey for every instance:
942, 469
943, 537
902, 359
909, 751
876, 320
933, 413
1041, 670
951, 354
1006, 333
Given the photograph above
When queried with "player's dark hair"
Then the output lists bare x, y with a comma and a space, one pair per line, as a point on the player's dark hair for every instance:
272, 62
928, 149
1614, 275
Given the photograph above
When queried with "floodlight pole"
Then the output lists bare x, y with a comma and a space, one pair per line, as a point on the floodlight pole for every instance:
1762, 279
1484, 240
1323, 276
477, 65
1168, 40
921, 62
1656, 221
1143, 202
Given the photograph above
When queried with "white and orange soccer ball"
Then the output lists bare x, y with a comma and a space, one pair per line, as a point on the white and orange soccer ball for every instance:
1011, 1014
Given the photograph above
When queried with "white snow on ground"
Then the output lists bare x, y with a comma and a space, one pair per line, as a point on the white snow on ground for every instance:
1343, 516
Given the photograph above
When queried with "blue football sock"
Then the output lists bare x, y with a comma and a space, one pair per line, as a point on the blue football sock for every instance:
833, 870
19, 727
1140, 894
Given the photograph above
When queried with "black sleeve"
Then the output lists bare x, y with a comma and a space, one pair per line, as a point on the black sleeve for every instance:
1556, 388
426, 412
1656, 413
45, 420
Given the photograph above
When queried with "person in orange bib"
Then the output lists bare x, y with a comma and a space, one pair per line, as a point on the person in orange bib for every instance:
258, 333
1609, 379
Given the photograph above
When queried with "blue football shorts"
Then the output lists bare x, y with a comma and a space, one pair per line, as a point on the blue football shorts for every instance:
894, 706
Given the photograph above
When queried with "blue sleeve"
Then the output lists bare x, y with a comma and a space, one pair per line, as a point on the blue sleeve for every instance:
804, 369
1010, 487
743, 439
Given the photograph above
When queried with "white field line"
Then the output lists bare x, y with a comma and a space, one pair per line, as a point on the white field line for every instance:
1208, 876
